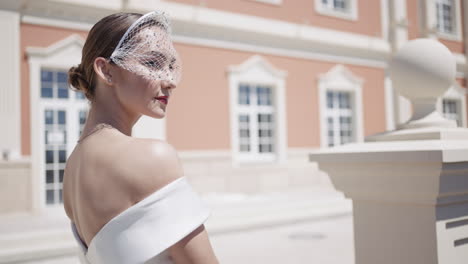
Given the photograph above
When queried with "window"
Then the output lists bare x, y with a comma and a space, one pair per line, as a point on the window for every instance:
444, 19
340, 101
346, 9
339, 118
257, 112
452, 104
445, 13
451, 110
57, 114
57, 105
256, 119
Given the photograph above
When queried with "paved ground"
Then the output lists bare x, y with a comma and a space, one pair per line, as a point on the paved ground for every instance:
324, 241
301, 226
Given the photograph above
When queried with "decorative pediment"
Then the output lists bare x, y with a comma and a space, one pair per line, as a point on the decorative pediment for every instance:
63, 54
455, 91
258, 66
341, 76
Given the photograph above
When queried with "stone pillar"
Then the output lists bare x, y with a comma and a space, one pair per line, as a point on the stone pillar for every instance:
10, 134
409, 186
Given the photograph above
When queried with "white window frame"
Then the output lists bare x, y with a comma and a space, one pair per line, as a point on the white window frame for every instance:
431, 14
59, 56
257, 70
340, 78
325, 10
457, 93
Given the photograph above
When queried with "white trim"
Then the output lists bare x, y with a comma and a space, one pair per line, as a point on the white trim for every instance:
177, 38
56, 47
56, 23
339, 78
384, 19
280, 51
460, 58
455, 92
201, 18
257, 70
201, 22
61, 55
10, 97
432, 21
389, 103
352, 15
271, 2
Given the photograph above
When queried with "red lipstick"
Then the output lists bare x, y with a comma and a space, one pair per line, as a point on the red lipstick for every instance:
163, 99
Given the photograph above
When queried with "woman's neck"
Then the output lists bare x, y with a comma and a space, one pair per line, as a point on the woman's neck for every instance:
114, 116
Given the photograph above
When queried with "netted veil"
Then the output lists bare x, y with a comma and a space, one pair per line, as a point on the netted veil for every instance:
146, 49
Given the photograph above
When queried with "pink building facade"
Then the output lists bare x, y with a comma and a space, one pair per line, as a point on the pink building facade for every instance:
264, 82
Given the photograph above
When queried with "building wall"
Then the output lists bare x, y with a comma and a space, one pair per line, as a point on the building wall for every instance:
16, 186
198, 117
302, 12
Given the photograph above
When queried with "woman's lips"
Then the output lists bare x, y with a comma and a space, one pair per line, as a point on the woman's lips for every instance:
162, 99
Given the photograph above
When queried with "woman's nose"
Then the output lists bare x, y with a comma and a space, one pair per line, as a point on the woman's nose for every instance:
169, 85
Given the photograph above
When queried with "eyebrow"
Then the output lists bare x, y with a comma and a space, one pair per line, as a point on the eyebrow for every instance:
158, 54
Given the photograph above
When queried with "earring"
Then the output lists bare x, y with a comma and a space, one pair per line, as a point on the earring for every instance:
109, 80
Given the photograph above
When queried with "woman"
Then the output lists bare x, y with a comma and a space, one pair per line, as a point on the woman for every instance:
127, 198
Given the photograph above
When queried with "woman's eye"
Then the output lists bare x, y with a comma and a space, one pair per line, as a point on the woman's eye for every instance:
153, 64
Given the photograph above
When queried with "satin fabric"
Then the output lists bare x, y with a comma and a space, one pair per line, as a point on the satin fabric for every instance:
143, 232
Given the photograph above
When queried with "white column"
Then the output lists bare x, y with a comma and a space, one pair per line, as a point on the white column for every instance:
399, 23
398, 37
10, 103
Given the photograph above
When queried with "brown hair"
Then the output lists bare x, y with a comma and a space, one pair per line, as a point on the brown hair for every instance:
101, 42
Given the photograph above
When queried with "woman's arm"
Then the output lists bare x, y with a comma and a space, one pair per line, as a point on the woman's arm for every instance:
195, 248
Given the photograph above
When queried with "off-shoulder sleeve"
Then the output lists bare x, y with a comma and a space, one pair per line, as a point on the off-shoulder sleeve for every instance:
149, 227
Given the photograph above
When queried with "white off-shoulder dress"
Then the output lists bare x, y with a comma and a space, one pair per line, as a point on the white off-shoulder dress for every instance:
143, 232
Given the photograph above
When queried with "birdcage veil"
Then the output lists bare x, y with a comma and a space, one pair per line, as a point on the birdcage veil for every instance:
146, 49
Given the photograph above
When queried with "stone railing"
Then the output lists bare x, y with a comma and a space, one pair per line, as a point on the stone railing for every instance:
409, 186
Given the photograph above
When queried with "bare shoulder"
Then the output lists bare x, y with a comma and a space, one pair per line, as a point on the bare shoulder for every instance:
149, 165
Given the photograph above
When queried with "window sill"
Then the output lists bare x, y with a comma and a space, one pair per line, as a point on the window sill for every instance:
448, 36
346, 16
268, 2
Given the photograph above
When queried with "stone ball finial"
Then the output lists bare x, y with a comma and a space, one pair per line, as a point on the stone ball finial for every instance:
422, 70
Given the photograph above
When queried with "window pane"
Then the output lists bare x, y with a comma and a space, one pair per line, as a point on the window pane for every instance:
62, 90
49, 117
46, 91
62, 156
46, 76
62, 77
60, 195
50, 196
244, 94
61, 117
49, 156
263, 95
61, 172
244, 133
330, 99
344, 101
49, 176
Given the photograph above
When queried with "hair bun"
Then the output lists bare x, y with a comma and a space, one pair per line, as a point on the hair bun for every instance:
77, 79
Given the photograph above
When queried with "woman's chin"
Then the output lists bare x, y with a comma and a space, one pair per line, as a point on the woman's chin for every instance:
157, 114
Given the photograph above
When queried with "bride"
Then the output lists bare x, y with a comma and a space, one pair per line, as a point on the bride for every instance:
127, 199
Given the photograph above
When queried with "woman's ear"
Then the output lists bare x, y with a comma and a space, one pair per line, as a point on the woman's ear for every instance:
103, 70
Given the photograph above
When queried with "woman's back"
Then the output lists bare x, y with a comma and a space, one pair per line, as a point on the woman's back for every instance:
107, 173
